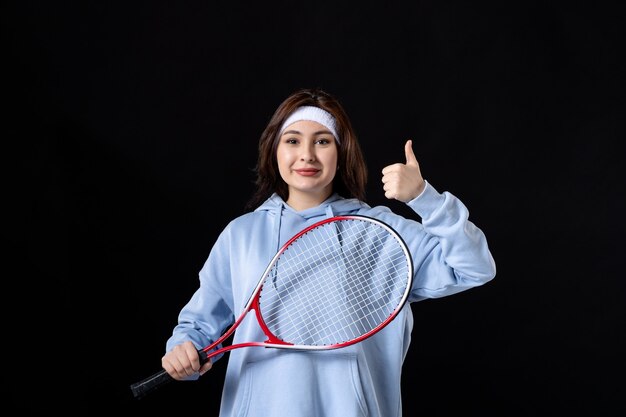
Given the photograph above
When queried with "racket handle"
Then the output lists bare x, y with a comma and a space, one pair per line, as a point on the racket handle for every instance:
151, 383
154, 381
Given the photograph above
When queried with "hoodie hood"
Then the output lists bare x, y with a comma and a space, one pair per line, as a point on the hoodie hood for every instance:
288, 222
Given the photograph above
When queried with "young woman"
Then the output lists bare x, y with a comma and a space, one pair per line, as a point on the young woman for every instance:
310, 167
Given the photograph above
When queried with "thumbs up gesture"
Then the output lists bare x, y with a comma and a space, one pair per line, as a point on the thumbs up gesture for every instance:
403, 182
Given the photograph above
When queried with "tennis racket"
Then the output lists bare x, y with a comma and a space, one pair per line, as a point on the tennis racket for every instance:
334, 284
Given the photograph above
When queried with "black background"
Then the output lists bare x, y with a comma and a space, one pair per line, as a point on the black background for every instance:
130, 138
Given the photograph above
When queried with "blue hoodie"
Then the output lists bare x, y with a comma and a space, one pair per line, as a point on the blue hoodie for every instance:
450, 255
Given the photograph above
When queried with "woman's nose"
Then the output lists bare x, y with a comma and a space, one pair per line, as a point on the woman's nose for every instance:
307, 155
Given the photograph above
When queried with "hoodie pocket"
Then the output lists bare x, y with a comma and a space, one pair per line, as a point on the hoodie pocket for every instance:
302, 384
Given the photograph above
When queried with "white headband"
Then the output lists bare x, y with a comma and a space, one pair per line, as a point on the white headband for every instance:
314, 114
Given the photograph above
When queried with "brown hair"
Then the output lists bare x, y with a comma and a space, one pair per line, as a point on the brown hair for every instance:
351, 177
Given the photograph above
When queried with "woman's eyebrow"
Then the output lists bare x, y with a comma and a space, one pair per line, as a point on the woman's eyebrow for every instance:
297, 132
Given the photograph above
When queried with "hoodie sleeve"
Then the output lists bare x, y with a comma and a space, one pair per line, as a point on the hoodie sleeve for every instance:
210, 309
450, 253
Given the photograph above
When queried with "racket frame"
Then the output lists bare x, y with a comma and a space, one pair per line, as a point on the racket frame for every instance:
160, 378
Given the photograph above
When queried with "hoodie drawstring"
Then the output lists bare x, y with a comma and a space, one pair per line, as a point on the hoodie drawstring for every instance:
329, 211
277, 226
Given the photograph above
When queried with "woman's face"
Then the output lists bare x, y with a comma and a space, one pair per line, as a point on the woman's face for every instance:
307, 162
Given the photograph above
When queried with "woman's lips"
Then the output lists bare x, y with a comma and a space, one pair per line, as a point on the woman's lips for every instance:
308, 172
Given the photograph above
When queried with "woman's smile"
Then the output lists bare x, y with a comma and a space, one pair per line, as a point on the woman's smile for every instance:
307, 172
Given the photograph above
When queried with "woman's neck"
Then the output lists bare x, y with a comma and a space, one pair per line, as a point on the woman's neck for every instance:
302, 201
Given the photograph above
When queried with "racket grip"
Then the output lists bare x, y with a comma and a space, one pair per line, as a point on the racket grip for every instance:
151, 383
154, 381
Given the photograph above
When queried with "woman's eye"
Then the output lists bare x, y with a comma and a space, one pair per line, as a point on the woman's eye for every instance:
291, 141
323, 141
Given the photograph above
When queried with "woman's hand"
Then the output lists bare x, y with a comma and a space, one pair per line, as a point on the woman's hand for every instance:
403, 182
183, 361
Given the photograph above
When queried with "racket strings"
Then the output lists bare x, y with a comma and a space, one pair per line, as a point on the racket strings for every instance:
335, 283
346, 315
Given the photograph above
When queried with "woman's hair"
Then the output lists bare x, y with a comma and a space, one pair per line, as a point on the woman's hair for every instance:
351, 177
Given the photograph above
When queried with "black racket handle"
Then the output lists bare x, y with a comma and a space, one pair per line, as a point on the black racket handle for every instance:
158, 379
151, 383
